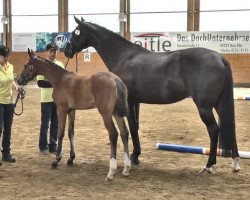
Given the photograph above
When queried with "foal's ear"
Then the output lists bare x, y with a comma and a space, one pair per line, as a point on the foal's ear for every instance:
82, 20
77, 20
30, 52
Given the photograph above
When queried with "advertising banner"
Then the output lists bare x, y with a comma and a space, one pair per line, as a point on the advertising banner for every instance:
23, 41
229, 42
38, 41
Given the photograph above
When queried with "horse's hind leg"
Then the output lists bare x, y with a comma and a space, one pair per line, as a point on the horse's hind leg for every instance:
235, 154
124, 136
61, 115
208, 118
71, 133
113, 134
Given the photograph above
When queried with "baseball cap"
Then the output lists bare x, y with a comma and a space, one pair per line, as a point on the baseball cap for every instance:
4, 51
51, 46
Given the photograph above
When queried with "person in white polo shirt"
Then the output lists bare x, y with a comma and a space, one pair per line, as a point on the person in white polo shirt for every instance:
49, 120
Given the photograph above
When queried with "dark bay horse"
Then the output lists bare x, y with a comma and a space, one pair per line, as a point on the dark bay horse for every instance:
103, 90
164, 78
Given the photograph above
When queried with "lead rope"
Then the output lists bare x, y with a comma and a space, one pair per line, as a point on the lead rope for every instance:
20, 95
66, 64
76, 63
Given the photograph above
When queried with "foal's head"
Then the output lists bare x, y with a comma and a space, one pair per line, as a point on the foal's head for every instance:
29, 70
78, 41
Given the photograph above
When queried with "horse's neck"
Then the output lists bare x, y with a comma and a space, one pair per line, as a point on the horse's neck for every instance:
52, 73
110, 46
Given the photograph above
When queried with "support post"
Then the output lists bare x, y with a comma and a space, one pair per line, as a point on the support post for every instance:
123, 17
193, 15
7, 23
62, 15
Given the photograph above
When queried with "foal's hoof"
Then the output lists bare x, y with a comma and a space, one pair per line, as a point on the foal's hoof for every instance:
125, 173
108, 178
70, 162
53, 165
134, 159
209, 170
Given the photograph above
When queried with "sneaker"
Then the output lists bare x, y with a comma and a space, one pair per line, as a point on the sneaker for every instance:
45, 152
8, 158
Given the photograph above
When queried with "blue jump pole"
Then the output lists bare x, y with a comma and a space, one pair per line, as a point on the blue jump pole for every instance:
195, 150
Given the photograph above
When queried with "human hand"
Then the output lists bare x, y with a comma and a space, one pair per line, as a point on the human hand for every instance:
21, 91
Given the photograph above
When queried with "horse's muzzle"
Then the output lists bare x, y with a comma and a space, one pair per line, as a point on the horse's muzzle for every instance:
69, 51
21, 80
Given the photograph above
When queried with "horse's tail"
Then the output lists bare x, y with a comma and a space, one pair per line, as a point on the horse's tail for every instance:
121, 107
227, 137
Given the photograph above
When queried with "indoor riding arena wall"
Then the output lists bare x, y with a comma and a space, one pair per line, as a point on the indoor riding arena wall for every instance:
240, 64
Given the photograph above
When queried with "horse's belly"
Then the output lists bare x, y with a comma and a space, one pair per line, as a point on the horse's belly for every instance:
161, 100
159, 97
82, 105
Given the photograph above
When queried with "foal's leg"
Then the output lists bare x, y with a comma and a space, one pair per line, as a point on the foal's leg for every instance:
61, 115
208, 118
124, 135
71, 133
133, 127
113, 134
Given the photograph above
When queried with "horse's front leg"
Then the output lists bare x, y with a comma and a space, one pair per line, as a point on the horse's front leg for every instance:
113, 135
61, 115
133, 127
71, 133
124, 136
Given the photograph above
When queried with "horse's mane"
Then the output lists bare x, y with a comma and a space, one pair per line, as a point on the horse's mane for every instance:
95, 26
55, 65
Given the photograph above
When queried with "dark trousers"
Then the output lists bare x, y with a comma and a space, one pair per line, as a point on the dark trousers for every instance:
6, 119
48, 114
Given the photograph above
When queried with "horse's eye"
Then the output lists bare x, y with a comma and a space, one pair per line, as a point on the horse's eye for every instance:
77, 32
31, 67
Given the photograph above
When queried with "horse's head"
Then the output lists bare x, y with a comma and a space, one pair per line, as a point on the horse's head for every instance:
29, 70
78, 39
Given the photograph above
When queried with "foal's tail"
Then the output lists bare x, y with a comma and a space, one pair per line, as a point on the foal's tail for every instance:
121, 107
227, 137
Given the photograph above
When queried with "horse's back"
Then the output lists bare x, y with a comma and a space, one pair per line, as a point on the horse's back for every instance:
170, 77
104, 90
204, 73
75, 92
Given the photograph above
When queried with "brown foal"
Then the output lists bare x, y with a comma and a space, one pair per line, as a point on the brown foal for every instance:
103, 90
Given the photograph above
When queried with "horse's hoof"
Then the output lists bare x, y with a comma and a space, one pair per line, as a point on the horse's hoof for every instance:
126, 173
53, 165
108, 178
235, 167
209, 170
70, 162
134, 159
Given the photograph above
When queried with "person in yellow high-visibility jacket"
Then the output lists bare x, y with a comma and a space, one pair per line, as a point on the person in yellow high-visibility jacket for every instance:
48, 108
6, 102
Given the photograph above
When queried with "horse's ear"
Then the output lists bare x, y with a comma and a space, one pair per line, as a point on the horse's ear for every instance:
82, 20
30, 52
77, 20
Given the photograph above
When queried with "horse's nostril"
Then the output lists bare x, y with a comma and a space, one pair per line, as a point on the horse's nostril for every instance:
20, 80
